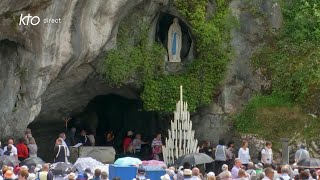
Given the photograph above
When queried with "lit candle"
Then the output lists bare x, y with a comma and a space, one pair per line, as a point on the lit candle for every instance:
181, 92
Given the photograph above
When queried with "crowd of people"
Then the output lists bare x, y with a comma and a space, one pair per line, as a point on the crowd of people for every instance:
228, 163
26, 147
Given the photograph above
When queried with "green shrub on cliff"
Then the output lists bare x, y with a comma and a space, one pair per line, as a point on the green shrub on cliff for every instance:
291, 60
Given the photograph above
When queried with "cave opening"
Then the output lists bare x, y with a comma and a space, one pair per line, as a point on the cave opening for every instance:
118, 114
110, 112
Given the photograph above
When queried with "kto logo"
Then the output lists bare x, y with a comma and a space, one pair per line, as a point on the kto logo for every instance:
25, 20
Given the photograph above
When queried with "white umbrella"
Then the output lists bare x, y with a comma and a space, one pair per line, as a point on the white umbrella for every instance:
83, 163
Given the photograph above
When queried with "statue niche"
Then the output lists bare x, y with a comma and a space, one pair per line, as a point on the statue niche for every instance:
174, 41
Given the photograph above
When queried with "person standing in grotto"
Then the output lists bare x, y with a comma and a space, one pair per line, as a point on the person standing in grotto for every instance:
136, 143
84, 139
127, 146
63, 137
71, 135
109, 139
27, 135
60, 152
91, 136
23, 152
157, 147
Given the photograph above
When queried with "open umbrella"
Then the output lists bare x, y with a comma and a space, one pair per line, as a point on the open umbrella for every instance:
61, 168
128, 161
32, 161
83, 163
154, 163
194, 159
9, 161
309, 163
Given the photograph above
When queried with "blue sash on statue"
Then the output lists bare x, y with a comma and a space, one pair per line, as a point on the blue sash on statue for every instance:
174, 44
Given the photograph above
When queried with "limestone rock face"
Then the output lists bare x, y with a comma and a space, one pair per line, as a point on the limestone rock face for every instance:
49, 70
241, 80
47, 67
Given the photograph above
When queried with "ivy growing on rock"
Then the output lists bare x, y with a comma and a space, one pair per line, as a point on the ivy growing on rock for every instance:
135, 61
203, 75
143, 63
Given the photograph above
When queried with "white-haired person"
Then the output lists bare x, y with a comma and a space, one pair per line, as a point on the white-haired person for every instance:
211, 176
251, 172
225, 171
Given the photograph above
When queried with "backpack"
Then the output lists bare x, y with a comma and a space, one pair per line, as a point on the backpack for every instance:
260, 155
38, 177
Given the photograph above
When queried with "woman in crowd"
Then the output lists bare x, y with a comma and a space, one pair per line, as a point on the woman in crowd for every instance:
243, 154
206, 148
33, 148
220, 156
230, 155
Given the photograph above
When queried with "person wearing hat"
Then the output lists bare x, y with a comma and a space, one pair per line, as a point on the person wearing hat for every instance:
165, 177
187, 174
211, 176
180, 175
302, 153
259, 168
71, 176
141, 175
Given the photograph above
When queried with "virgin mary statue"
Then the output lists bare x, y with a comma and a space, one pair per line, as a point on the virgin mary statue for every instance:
174, 41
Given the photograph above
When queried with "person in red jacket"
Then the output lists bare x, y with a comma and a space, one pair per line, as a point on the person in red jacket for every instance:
127, 148
23, 152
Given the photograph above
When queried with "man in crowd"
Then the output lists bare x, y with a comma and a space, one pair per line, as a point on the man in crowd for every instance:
269, 173
13, 150
236, 168
84, 139
141, 174
284, 173
71, 141
43, 174
60, 152
302, 153
97, 174
8, 152
195, 174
